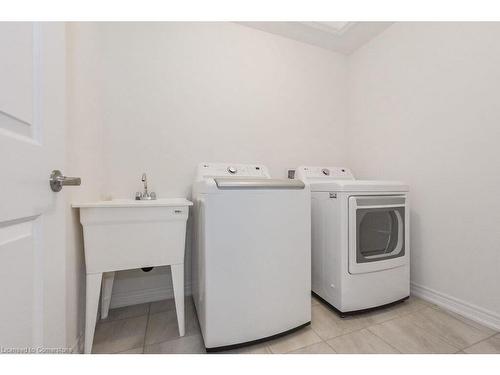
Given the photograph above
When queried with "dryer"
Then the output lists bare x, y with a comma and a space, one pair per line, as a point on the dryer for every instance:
360, 239
251, 256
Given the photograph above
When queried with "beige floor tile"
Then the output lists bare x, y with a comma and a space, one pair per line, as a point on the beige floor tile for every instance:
293, 341
165, 305
127, 312
360, 342
411, 305
119, 335
420, 300
478, 326
327, 324
407, 337
133, 351
380, 315
442, 324
261, 348
183, 345
163, 326
488, 346
414, 326
319, 348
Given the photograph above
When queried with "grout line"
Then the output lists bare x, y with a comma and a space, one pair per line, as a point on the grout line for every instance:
368, 329
465, 321
296, 333
173, 338
447, 339
343, 334
381, 338
334, 351
125, 350
486, 339
146, 330
430, 333
105, 321
108, 320
307, 346
356, 330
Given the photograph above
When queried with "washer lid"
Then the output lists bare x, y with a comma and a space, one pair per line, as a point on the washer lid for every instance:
257, 183
359, 185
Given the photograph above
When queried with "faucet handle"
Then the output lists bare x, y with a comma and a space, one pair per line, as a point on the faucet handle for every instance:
144, 180
145, 195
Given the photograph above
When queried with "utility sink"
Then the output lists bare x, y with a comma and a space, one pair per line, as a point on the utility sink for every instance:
124, 234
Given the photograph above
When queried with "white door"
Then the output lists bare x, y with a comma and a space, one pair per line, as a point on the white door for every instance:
32, 137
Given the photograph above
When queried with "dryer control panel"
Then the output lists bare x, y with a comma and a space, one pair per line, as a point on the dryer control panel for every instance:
232, 170
327, 173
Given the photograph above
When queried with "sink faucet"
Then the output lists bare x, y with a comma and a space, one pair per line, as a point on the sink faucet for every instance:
144, 179
145, 195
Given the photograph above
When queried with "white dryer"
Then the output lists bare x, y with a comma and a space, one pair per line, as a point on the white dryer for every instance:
251, 256
360, 239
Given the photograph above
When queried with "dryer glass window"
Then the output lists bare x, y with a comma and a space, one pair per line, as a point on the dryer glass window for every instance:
380, 234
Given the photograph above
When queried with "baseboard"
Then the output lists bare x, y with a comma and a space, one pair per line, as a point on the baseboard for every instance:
468, 310
144, 296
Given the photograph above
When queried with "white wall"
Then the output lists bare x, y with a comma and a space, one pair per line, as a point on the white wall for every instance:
84, 159
417, 103
162, 97
424, 108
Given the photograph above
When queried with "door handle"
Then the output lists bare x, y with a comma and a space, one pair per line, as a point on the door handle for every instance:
57, 181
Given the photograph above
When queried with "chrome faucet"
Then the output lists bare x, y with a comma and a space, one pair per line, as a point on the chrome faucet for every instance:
145, 195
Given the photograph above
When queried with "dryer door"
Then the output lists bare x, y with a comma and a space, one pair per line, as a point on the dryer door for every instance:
377, 233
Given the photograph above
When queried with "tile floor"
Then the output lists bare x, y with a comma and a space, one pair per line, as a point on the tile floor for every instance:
414, 326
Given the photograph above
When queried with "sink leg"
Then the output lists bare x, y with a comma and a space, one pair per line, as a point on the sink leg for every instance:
92, 302
178, 283
107, 288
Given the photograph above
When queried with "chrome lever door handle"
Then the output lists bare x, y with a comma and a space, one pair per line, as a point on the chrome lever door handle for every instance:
57, 181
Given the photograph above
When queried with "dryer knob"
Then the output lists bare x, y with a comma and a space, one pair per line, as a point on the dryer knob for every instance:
325, 172
232, 170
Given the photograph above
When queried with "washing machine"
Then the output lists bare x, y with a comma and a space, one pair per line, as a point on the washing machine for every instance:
251, 275
360, 239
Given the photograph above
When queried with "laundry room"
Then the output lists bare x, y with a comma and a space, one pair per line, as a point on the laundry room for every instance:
262, 186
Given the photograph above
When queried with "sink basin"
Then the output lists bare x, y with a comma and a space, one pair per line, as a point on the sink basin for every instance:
124, 233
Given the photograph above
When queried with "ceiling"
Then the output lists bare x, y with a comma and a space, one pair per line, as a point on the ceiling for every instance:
342, 37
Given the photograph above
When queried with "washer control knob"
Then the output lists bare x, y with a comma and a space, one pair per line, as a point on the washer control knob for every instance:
232, 170
325, 172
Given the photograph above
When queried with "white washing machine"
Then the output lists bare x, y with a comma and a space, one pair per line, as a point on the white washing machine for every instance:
360, 239
252, 254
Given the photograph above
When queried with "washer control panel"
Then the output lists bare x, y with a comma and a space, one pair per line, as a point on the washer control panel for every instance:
333, 173
232, 170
